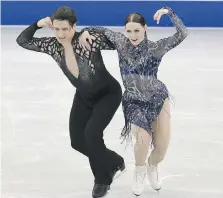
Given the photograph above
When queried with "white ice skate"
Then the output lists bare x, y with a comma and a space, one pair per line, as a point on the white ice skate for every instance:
153, 176
138, 180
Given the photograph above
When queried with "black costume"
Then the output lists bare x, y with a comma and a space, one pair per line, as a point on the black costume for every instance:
98, 95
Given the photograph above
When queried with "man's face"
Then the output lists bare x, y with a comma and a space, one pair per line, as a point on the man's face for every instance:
63, 30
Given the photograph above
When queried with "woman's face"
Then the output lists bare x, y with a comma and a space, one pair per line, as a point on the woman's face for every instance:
135, 32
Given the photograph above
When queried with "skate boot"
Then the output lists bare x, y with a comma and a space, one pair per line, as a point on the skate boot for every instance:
153, 176
138, 180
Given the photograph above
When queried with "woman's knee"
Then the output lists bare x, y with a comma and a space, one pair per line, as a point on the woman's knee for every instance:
142, 137
160, 153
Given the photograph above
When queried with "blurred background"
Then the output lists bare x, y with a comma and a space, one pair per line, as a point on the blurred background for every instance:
112, 13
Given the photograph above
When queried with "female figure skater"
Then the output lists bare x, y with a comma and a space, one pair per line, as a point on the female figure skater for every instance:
145, 100
98, 94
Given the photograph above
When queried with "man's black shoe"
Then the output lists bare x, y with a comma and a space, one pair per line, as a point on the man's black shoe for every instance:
100, 190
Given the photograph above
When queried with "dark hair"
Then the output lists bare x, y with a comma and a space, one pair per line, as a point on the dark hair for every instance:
65, 13
136, 18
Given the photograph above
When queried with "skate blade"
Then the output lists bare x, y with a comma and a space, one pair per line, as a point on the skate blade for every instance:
106, 193
136, 195
119, 173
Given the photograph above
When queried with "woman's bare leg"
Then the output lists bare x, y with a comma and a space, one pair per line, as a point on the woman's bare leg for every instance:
161, 137
141, 147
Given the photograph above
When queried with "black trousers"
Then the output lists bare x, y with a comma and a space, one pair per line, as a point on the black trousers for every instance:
88, 119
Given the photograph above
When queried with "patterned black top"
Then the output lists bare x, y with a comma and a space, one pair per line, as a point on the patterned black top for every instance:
93, 75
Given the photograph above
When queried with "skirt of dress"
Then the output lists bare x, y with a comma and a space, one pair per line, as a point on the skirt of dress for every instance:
141, 113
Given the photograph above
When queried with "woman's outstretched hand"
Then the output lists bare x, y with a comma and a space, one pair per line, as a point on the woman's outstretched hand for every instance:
85, 40
160, 13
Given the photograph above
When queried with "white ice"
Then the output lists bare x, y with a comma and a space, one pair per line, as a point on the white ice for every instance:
37, 159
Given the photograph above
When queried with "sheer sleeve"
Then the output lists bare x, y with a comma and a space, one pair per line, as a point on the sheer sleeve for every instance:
116, 38
100, 42
27, 40
166, 44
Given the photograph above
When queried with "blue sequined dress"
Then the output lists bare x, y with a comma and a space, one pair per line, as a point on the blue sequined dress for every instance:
144, 93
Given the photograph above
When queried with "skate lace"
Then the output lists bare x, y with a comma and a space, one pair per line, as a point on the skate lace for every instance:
155, 169
157, 175
139, 178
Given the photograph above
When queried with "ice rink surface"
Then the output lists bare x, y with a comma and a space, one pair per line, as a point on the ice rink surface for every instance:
37, 159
